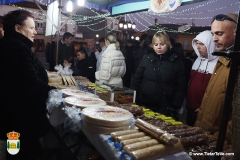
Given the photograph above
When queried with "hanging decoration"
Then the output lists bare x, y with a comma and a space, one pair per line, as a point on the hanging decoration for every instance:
160, 6
174, 4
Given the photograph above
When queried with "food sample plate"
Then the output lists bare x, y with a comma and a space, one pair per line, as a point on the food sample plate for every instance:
76, 92
107, 116
83, 102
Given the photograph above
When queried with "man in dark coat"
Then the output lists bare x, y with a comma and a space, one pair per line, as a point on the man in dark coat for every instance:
85, 65
92, 60
65, 48
129, 48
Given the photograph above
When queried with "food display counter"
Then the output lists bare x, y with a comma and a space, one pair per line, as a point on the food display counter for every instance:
192, 139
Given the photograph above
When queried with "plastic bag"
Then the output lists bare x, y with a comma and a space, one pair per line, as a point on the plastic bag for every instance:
54, 99
59, 68
63, 70
72, 122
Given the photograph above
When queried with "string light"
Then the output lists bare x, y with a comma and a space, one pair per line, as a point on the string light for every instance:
146, 27
103, 27
144, 17
93, 23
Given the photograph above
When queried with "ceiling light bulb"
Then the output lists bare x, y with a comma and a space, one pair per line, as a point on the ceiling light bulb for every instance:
129, 24
81, 2
125, 26
133, 25
69, 6
120, 25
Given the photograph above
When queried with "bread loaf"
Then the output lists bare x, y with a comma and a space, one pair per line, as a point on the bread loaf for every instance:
120, 133
156, 151
130, 136
140, 145
135, 140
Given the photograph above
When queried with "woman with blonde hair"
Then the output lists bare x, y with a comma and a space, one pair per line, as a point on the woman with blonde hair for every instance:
160, 78
112, 67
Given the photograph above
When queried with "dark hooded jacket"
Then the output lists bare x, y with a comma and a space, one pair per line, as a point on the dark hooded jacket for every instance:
160, 81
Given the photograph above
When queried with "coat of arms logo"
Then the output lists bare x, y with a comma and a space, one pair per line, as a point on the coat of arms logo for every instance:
13, 142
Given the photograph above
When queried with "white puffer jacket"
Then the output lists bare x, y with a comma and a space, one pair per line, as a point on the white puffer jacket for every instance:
112, 67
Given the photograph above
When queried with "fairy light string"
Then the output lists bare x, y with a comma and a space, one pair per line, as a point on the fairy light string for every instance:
145, 17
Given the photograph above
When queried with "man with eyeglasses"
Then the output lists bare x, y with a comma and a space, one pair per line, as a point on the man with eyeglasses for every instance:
223, 28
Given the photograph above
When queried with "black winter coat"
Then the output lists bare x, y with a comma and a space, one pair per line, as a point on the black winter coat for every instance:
159, 81
87, 68
24, 88
64, 51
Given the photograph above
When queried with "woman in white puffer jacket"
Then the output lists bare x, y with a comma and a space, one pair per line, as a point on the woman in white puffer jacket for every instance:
112, 67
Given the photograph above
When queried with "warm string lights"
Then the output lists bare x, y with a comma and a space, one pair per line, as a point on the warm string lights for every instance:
143, 19
106, 27
92, 23
146, 27
165, 21
132, 21
195, 13
148, 15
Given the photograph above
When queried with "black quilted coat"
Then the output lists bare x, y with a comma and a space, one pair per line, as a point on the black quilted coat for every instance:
159, 81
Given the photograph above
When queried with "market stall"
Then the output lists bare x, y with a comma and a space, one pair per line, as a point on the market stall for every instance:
100, 118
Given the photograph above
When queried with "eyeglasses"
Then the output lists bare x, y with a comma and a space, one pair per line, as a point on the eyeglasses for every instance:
222, 17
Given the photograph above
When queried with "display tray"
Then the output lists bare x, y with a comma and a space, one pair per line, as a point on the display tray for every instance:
76, 92
83, 102
107, 116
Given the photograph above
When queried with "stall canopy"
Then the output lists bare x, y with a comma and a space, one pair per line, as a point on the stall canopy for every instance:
111, 5
126, 6
196, 13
